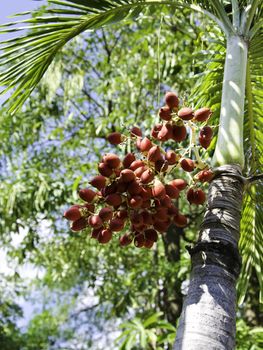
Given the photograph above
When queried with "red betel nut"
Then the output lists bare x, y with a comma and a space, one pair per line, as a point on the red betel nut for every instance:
186, 113
171, 99
202, 114
87, 195
115, 138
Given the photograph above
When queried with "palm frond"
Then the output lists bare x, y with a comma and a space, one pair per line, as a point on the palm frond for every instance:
252, 217
209, 78
253, 126
251, 241
26, 57
251, 19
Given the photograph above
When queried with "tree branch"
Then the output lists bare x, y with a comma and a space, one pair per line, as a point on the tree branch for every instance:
86, 93
85, 309
79, 110
106, 46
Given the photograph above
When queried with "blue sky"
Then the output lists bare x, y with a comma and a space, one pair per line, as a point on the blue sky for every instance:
9, 7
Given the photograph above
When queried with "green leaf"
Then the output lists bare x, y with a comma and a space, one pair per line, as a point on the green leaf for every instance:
131, 341
60, 29
250, 241
152, 319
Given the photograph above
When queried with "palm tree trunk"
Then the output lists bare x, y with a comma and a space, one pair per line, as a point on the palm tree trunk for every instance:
208, 316
209, 310
229, 145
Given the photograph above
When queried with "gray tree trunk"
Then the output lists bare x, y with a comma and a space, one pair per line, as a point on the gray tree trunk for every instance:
209, 311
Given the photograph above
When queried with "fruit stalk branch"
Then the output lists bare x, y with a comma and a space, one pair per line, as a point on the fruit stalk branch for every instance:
193, 142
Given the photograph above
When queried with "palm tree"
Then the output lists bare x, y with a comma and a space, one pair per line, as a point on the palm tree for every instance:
208, 316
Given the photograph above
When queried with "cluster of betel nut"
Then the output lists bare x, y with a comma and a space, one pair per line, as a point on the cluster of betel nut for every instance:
137, 193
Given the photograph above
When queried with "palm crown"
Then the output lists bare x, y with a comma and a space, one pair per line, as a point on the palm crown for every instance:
28, 56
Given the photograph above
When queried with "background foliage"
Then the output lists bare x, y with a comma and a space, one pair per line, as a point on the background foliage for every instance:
82, 295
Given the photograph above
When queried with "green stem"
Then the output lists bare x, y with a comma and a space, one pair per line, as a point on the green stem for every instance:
248, 16
158, 61
251, 117
226, 27
235, 14
192, 147
222, 15
229, 147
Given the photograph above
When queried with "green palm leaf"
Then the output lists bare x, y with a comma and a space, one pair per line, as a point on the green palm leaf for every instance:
254, 116
252, 217
251, 240
26, 57
208, 86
